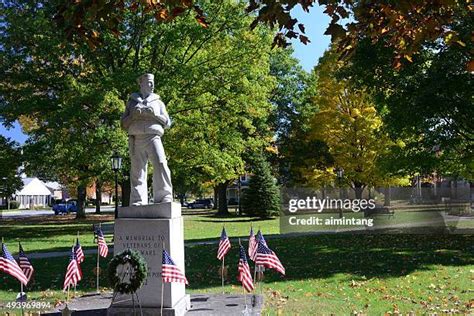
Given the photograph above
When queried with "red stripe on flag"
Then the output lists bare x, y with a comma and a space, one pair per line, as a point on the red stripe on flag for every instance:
13, 269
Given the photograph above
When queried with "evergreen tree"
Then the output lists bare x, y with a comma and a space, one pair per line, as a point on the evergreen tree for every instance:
262, 198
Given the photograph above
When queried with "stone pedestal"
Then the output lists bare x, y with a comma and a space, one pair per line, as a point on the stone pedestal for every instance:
144, 228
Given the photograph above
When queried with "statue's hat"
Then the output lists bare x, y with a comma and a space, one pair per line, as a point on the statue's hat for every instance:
146, 76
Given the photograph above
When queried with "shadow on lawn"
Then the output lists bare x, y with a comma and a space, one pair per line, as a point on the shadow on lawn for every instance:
46, 229
57, 219
215, 217
309, 257
324, 256
223, 220
13, 232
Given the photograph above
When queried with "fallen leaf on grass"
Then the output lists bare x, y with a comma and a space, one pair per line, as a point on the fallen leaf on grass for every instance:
470, 304
58, 303
356, 284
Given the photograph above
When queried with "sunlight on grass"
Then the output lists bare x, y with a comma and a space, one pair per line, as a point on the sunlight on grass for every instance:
340, 274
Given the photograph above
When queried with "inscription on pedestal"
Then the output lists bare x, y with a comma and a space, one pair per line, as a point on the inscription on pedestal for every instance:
147, 236
145, 244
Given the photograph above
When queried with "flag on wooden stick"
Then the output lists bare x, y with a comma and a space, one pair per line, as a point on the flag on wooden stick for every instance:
170, 271
103, 249
78, 251
10, 266
267, 258
259, 237
224, 245
25, 264
245, 277
72, 272
79, 256
252, 245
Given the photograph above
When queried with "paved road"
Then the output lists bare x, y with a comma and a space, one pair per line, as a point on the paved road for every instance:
27, 213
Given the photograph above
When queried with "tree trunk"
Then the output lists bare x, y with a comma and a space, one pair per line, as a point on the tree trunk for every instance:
216, 197
387, 192
341, 197
471, 196
81, 201
456, 188
8, 203
98, 196
345, 193
358, 190
222, 194
125, 185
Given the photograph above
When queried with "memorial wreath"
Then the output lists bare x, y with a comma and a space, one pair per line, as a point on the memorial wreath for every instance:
137, 272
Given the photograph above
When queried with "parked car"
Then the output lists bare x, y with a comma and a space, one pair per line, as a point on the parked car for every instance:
232, 201
91, 202
201, 203
63, 207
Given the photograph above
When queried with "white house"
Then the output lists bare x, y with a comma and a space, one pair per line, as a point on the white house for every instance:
233, 189
34, 194
56, 190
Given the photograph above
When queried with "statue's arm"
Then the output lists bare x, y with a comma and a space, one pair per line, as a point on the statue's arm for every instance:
166, 117
161, 117
126, 119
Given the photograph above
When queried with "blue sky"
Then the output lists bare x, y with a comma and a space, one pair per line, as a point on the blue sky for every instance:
315, 23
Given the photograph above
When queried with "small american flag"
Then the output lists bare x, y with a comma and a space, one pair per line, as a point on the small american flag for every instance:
224, 245
79, 256
260, 238
103, 249
170, 271
9, 266
252, 245
25, 264
267, 258
244, 271
78, 251
72, 273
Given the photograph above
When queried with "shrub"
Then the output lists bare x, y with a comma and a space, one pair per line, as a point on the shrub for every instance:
262, 197
14, 205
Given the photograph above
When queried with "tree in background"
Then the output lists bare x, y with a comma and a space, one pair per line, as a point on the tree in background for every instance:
428, 102
290, 119
67, 105
10, 163
289, 115
402, 25
262, 197
217, 83
349, 125
69, 95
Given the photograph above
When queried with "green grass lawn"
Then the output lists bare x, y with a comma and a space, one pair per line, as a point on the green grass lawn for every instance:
338, 274
57, 233
5, 211
49, 233
373, 274
205, 225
